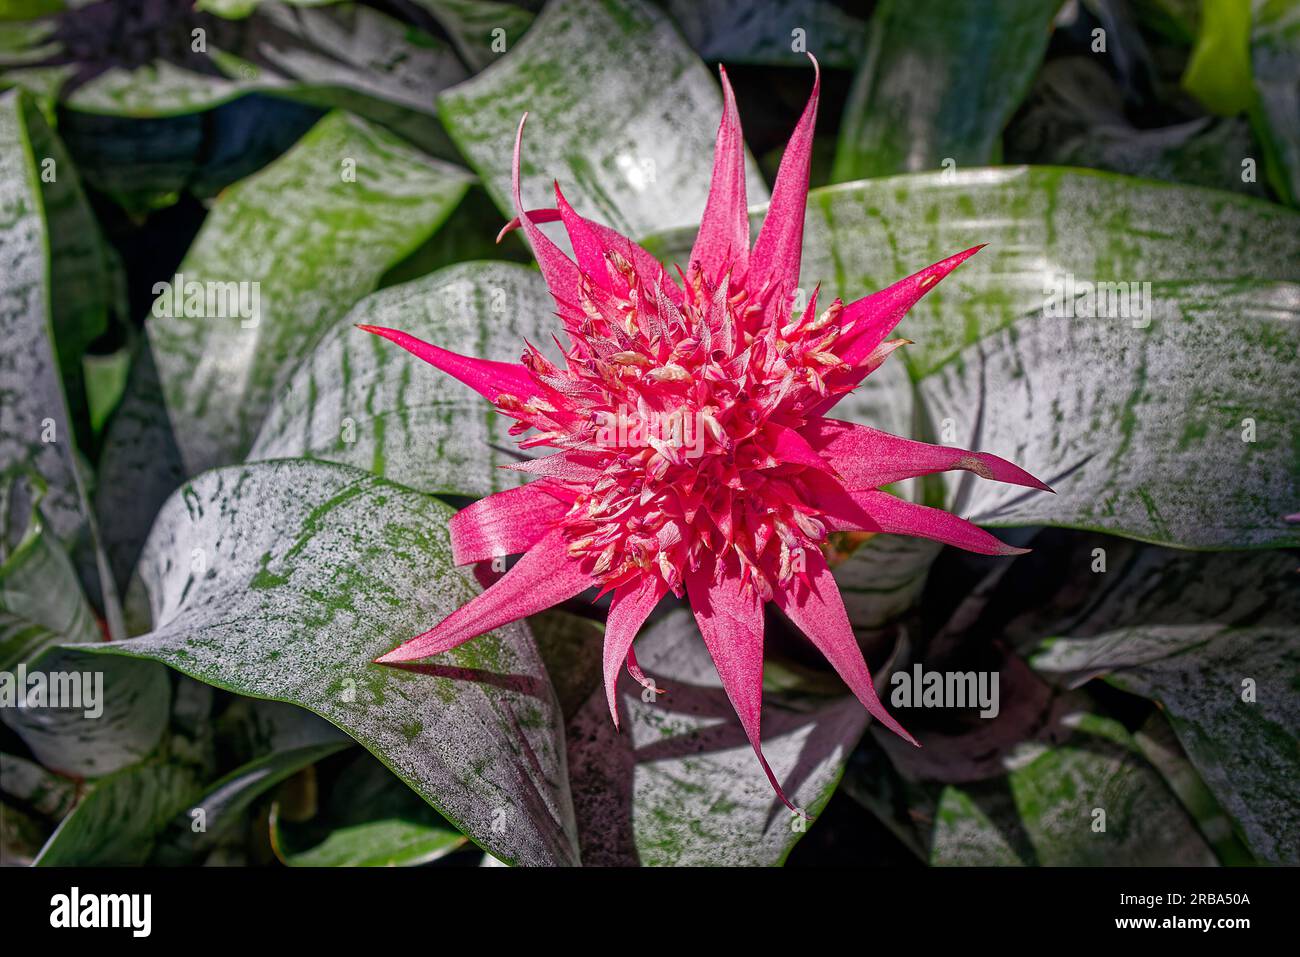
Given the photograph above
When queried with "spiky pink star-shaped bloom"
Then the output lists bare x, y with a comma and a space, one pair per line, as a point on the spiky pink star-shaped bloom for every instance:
695, 454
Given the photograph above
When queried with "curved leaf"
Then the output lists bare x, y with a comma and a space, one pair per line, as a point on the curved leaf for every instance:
309, 572
314, 238
939, 82
358, 401
57, 284
1091, 800
623, 115
135, 698
1161, 433
1275, 62
1228, 692
115, 823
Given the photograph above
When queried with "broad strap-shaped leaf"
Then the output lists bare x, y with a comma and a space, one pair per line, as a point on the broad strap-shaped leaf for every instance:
57, 286
1228, 692
1041, 224
224, 804
309, 236
310, 572
224, 370
358, 400
41, 601
116, 822
938, 82
481, 30
1162, 433
680, 784
1275, 62
1131, 585
623, 115
1160, 746
1091, 800
121, 726
330, 54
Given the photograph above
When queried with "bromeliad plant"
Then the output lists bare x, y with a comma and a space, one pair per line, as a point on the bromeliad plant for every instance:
264, 504
739, 518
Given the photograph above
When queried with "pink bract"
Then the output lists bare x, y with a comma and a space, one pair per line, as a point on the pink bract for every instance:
694, 454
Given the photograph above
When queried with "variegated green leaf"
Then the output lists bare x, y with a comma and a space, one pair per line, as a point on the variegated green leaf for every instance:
307, 237
679, 784
1151, 427
623, 114
116, 822
1275, 62
1091, 800
285, 580
45, 793
57, 286
114, 716
482, 30
1229, 694
1160, 746
183, 59
41, 601
222, 806
358, 400
938, 82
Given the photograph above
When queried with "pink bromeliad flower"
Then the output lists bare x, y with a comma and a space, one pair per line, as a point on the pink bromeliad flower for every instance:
695, 454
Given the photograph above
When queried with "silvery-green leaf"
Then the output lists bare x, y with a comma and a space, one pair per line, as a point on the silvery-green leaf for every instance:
306, 572
1275, 61
308, 236
57, 287
183, 60
376, 199
41, 601
116, 822
772, 32
1148, 427
36, 788
482, 30
1110, 584
679, 784
938, 82
622, 113
1041, 223
114, 714
1091, 800
1229, 694
359, 400
221, 808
